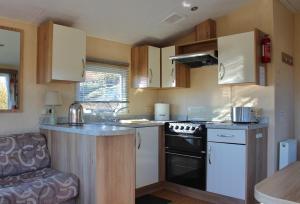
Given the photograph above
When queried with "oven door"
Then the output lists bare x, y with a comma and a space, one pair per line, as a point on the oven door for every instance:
186, 170
185, 143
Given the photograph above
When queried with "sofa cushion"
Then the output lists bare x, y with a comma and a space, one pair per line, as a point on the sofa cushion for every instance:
23, 153
45, 186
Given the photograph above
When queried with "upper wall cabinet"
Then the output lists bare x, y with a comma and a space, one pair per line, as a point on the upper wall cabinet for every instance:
206, 30
173, 74
145, 67
240, 59
61, 53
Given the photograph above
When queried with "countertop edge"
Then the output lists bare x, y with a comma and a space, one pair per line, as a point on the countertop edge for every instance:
89, 132
267, 199
236, 126
273, 190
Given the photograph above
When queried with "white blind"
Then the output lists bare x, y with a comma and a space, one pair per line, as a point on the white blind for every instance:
103, 83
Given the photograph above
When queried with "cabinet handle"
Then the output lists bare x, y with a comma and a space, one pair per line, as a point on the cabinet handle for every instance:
209, 154
139, 140
151, 75
225, 135
173, 75
222, 71
83, 66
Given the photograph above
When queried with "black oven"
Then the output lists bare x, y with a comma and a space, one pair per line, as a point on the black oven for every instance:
186, 154
186, 144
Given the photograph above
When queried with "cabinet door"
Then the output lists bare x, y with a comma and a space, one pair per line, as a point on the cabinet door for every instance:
153, 67
147, 153
226, 169
168, 69
237, 58
68, 54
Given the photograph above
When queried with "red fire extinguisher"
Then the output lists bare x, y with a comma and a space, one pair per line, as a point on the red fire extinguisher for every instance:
266, 49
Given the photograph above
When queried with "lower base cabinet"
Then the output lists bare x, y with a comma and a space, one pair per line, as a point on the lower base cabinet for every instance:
226, 169
236, 161
147, 156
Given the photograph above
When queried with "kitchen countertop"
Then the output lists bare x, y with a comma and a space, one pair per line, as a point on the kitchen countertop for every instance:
234, 126
102, 129
91, 129
134, 125
281, 188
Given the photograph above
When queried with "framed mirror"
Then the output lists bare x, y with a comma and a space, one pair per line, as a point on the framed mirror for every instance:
11, 62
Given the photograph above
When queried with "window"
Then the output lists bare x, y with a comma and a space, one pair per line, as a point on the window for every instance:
105, 88
4, 91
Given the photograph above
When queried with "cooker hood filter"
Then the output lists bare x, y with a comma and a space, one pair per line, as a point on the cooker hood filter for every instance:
197, 59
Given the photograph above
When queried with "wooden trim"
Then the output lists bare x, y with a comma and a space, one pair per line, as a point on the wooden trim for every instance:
44, 55
198, 42
256, 161
196, 47
149, 189
258, 53
250, 165
11, 29
21, 67
202, 195
8, 71
107, 62
162, 155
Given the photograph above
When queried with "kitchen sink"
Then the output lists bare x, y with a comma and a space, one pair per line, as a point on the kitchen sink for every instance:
134, 121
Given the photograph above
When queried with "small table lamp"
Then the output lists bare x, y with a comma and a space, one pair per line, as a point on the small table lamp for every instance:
53, 99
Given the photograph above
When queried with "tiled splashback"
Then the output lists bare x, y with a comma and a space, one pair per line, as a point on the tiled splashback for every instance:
203, 113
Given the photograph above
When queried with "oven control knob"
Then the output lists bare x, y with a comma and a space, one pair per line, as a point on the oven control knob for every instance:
193, 128
187, 128
176, 127
182, 128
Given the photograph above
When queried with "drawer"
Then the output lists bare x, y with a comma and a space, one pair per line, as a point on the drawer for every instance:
226, 136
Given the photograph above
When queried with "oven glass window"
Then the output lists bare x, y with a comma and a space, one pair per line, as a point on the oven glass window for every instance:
186, 170
194, 146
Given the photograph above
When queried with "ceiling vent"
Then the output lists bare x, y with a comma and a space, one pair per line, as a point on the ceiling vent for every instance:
173, 18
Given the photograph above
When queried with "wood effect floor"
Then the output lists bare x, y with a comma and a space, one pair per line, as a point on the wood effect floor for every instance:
178, 198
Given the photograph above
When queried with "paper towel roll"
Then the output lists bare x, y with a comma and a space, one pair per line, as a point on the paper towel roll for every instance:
162, 111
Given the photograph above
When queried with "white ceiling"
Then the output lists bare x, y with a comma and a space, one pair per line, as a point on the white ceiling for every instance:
293, 5
128, 21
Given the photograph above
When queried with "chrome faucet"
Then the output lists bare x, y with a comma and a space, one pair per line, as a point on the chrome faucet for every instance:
115, 114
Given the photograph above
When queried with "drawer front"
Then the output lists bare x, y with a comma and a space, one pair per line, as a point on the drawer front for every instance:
227, 136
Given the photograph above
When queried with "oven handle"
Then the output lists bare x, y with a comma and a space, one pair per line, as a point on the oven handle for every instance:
184, 155
183, 136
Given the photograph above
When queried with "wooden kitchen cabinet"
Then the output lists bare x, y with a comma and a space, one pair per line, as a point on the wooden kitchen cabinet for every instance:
147, 156
105, 165
239, 59
61, 53
145, 67
206, 30
173, 75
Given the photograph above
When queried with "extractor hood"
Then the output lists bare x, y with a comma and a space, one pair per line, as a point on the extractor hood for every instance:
199, 59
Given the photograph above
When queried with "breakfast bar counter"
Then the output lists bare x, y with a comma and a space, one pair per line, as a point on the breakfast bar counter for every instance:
97, 130
102, 157
281, 188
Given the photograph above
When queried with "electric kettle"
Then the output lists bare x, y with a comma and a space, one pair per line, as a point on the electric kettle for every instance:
76, 114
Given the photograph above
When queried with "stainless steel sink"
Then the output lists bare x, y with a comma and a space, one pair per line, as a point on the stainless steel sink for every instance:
128, 123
